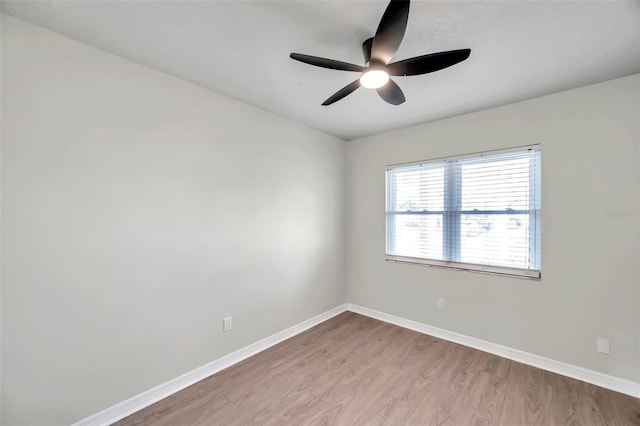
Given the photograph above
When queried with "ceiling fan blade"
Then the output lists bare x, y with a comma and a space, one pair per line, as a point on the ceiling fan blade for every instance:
349, 88
391, 93
326, 63
428, 63
366, 49
390, 31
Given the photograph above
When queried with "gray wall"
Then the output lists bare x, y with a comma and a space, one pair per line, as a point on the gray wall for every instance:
590, 283
139, 210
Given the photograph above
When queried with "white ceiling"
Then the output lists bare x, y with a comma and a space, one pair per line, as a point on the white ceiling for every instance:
520, 50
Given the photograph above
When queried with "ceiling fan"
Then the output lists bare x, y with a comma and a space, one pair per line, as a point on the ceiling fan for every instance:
378, 52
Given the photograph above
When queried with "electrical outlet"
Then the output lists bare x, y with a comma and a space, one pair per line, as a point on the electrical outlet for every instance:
226, 324
440, 303
602, 345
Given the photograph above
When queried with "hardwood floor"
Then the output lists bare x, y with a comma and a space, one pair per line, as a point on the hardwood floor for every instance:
354, 370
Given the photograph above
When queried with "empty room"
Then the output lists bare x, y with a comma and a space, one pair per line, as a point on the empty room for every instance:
320, 213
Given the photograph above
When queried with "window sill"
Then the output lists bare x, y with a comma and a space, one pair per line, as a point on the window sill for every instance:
483, 269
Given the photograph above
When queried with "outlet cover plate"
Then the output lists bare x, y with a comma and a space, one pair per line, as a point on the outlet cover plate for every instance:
602, 345
226, 324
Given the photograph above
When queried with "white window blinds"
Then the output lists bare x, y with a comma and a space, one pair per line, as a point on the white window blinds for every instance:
478, 212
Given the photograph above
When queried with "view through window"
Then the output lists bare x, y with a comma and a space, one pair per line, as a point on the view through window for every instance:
481, 210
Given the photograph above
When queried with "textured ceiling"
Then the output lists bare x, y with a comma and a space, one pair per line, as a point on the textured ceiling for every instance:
520, 50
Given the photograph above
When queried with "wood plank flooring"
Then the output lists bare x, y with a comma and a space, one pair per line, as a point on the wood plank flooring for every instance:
354, 370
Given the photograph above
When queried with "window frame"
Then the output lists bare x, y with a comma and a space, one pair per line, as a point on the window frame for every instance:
452, 212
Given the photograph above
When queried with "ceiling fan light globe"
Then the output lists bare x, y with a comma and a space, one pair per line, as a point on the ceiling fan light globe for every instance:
374, 79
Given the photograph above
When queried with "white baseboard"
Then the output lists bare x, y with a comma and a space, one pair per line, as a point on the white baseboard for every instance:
596, 378
138, 402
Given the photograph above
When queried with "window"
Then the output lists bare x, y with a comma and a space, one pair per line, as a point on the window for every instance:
479, 212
